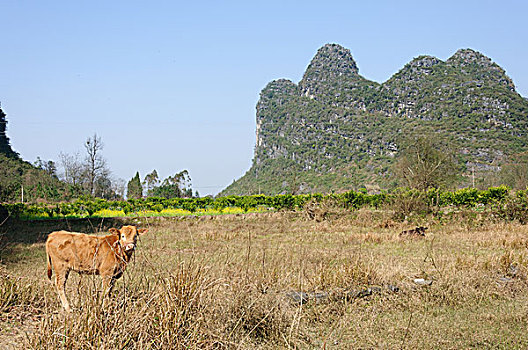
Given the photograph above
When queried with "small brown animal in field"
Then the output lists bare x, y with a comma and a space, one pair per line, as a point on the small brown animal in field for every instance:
415, 232
106, 256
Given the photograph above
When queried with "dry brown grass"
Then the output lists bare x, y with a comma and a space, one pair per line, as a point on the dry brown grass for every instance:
223, 283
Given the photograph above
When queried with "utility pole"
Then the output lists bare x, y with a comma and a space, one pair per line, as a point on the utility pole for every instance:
473, 171
22, 193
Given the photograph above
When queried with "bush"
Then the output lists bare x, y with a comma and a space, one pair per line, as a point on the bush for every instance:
407, 203
402, 201
515, 208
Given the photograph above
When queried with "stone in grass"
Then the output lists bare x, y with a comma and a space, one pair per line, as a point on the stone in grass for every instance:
320, 297
422, 282
506, 280
392, 288
299, 298
510, 275
513, 269
357, 294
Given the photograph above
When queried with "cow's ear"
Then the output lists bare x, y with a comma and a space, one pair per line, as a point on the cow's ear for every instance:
114, 231
142, 231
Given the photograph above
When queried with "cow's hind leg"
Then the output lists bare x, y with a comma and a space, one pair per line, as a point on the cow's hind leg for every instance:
60, 280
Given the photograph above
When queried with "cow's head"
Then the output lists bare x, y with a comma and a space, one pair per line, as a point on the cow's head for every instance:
128, 236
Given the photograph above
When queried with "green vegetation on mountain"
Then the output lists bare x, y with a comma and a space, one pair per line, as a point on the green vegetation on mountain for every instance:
336, 131
20, 180
5, 147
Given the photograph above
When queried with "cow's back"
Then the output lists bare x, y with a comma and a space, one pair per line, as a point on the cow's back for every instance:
78, 251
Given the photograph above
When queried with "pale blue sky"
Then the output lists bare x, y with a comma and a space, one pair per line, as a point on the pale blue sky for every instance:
173, 85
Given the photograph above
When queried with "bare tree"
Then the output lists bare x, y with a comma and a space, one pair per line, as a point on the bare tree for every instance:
118, 188
94, 162
91, 175
426, 161
72, 168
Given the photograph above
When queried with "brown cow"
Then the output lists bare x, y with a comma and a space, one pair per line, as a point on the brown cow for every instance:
107, 256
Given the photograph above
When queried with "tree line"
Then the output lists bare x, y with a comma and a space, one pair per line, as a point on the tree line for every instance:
93, 177
177, 186
78, 175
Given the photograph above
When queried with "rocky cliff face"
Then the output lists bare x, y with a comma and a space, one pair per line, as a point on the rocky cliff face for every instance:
332, 66
333, 77
336, 130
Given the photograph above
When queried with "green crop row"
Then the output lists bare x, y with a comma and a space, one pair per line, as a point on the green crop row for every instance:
468, 197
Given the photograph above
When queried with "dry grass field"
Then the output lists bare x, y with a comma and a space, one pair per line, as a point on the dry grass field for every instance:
235, 282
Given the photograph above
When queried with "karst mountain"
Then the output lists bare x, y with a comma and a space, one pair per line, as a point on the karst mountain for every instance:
335, 130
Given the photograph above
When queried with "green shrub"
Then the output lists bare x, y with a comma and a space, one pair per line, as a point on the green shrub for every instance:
514, 208
402, 201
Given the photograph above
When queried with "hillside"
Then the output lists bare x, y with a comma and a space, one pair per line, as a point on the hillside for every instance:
16, 174
336, 130
5, 147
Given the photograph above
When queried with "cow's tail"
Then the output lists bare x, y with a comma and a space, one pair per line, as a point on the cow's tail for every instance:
50, 271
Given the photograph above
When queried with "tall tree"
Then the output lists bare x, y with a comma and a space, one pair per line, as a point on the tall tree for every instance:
175, 186
94, 162
134, 189
72, 169
103, 185
151, 181
48, 166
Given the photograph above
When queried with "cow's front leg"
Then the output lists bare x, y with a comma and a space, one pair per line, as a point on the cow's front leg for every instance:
108, 285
